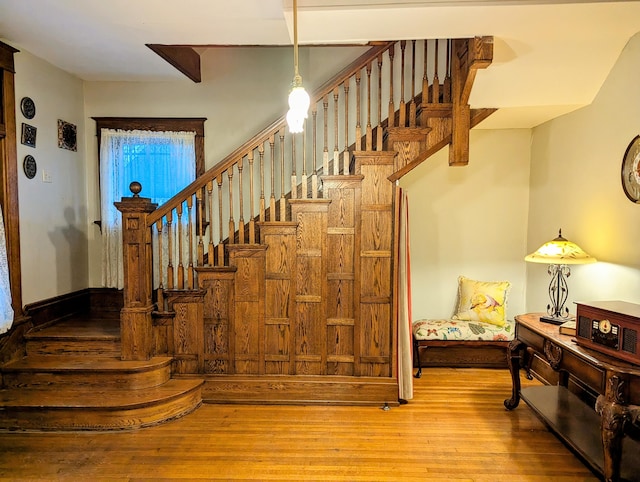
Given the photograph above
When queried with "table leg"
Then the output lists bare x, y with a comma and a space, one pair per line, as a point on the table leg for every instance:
614, 416
516, 348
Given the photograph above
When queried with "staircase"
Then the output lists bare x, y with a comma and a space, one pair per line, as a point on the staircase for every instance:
72, 378
270, 279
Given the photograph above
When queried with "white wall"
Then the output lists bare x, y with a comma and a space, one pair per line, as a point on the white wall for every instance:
469, 221
575, 185
53, 216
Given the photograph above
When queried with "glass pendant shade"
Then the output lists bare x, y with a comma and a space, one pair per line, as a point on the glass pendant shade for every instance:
299, 102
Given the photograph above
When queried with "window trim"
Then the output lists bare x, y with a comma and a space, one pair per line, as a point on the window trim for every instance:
175, 124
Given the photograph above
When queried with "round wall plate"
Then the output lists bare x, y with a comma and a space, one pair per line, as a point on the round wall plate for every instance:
29, 166
28, 107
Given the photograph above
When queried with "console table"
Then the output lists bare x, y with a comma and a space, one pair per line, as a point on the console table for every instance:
603, 434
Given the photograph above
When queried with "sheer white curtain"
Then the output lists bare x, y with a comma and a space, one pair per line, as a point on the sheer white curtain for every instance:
405, 353
163, 162
6, 311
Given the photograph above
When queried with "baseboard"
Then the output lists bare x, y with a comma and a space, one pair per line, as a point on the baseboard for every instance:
300, 390
51, 310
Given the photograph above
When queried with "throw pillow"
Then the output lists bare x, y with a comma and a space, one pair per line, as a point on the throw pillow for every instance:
484, 301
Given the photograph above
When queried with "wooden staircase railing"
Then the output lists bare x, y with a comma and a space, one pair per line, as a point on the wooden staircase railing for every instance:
419, 87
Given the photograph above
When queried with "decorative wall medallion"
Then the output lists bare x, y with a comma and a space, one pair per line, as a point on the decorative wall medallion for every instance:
29, 166
67, 136
29, 135
28, 107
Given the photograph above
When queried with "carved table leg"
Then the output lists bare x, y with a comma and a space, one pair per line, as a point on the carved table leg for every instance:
516, 348
614, 417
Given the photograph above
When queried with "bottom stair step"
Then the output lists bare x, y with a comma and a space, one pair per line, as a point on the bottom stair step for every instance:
97, 409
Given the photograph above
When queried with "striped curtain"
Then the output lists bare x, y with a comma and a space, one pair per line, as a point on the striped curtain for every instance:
405, 354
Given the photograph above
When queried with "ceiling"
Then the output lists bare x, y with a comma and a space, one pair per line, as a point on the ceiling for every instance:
549, 57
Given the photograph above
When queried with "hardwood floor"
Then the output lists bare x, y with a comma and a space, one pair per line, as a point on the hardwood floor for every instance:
455, 428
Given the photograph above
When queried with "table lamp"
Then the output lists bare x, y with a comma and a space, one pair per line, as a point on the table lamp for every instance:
559, 253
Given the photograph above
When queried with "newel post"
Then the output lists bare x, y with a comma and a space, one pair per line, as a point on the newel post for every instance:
136, 329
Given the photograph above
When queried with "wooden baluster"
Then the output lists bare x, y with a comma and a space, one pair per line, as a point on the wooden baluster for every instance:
252, 218
190, 238
305, 185
369, 134
336, 154
200, 224
314, 176
161, 272
232, 224
211, 259
379, 127
425, 74
170, 274
220, 230
294, 176
241, 231
435, 92
325, 155
412, 103
272, 198
392, 110
180, 251
283, 203
403, 111
345, 153
447, 79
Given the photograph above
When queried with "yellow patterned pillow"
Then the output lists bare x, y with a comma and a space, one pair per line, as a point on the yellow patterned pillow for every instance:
482, 301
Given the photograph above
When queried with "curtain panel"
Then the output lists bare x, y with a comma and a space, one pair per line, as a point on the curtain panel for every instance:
163, 163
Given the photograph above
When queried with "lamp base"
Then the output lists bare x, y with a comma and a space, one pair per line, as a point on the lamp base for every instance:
555, 320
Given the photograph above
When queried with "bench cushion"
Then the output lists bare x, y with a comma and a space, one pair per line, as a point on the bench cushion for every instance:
458, 330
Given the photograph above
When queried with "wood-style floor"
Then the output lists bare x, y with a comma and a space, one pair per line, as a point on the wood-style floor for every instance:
455, 428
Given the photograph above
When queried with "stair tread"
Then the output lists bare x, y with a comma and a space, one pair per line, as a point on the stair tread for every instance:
98, 398
83, 363
79, 328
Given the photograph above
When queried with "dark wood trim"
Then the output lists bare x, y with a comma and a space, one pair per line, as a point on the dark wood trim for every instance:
183, 58
175, 124
9, 175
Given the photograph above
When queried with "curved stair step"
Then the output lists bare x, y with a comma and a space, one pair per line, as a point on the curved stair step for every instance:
97, 409
96, 336
75, 371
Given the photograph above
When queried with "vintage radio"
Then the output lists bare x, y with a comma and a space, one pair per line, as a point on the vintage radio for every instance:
610, 327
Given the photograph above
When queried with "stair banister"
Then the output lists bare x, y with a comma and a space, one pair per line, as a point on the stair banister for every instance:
271, 130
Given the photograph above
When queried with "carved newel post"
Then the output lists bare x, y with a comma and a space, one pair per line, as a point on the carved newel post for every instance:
136, 328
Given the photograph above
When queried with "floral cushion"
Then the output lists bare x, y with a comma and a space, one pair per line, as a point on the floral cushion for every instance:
462, 330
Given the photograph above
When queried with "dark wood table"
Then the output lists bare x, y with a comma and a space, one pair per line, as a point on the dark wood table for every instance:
575, 376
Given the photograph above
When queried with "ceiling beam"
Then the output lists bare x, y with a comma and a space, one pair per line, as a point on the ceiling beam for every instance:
183, 58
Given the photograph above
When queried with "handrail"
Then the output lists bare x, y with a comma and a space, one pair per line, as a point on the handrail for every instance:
264, 134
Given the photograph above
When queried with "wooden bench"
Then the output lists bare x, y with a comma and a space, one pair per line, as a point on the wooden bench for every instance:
458, 343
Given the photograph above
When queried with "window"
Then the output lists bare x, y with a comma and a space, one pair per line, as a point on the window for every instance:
163, 161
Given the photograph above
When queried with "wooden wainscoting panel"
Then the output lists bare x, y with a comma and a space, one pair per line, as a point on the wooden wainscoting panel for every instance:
310, 343
280, 239
343, 268
188, 325
249, 309
218, 285
376, 351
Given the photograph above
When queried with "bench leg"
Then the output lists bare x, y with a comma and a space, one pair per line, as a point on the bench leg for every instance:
416, 351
